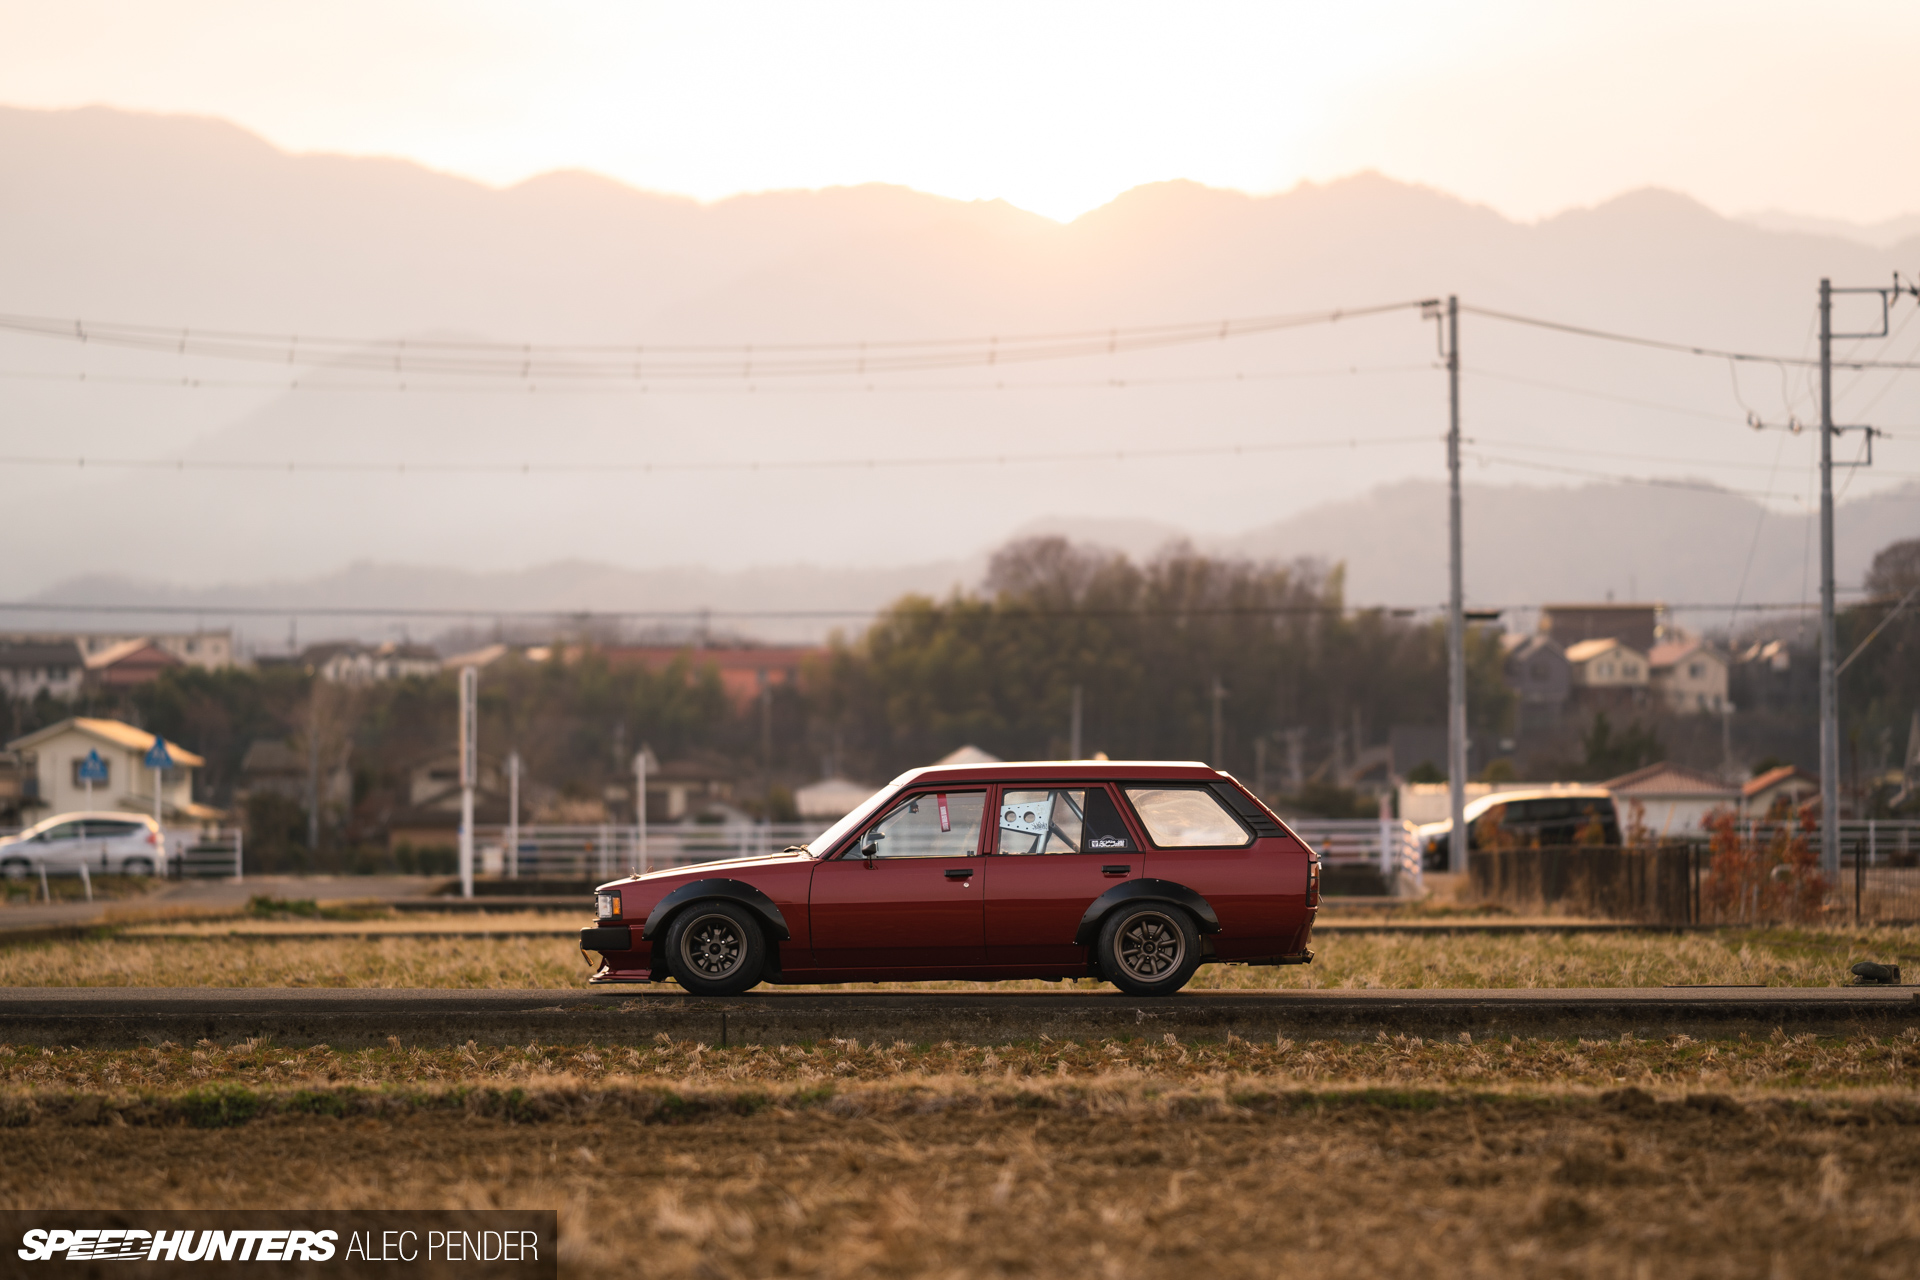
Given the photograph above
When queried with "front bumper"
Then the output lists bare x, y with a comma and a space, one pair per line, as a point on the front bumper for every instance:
607, 937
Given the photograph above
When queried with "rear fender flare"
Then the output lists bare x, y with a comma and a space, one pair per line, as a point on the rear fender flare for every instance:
727, 891
1145, 890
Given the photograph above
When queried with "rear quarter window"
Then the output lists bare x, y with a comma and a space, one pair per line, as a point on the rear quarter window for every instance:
1187, 818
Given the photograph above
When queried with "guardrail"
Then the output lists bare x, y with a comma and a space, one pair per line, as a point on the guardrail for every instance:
1389, 846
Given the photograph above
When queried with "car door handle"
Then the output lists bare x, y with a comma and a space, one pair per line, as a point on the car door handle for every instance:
960, 873
1116, 869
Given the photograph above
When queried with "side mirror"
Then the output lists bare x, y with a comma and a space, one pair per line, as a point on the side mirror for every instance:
870, 843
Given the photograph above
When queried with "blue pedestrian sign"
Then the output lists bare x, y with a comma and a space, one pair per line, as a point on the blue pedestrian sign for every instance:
157, 756
93, 768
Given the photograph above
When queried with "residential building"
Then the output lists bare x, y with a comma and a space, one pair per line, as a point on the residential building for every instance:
431, 817
29, 668
349, 662
131, 662
1535, 668
1688, 675
744, 670
274, 766
1789, 785
56, 753
1638, 626
831, 799
1607, 672
212, 650
1669, 800
1776, 675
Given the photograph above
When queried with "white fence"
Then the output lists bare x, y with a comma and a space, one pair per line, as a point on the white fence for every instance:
583, 852
1390, 845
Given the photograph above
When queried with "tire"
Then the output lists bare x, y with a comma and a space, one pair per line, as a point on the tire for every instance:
716, 949
137, 867
15, 869
1148, 950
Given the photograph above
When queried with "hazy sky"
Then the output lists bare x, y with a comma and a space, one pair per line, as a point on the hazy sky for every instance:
1529, 107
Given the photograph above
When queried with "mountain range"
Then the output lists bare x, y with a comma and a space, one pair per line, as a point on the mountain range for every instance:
837, 494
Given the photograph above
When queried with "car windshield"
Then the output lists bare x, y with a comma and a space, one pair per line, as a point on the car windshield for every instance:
834, 834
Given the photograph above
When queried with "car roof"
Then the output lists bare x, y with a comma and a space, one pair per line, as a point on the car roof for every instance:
1540, 793
1058, 770
108, 814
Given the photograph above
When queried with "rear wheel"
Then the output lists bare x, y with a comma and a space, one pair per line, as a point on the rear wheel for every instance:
1149, 950
137, 867
716, 949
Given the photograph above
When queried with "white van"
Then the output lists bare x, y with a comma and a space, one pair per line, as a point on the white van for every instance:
129, 843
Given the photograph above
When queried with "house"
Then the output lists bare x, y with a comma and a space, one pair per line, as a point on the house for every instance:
831, 799
349, 662
1789, 784
1535, 667
131, 662
1688, 675
680, 790
1635, 625
744, 670
211, 650
30, 668
968, 754
57, 751
1607, 673
1673, 800
1776, 675
274, 766
431, 817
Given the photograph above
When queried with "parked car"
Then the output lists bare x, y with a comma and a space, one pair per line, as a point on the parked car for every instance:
1134, 873
129, 843
1527, 819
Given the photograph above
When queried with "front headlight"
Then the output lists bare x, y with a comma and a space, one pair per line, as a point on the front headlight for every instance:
606, 905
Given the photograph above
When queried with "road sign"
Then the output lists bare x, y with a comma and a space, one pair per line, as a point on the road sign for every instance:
93, 768
157, 755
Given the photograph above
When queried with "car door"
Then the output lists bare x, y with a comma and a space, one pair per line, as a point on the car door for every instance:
112, 841
61, 845
1056, 849
906, 892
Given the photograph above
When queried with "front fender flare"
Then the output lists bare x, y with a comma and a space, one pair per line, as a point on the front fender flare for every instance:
1145, 890
731, 891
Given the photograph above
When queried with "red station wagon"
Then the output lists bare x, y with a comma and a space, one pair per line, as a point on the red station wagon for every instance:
1132, 872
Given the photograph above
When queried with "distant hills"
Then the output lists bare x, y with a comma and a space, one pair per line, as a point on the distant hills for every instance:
176, 221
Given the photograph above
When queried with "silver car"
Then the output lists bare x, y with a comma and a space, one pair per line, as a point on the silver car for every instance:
129, 843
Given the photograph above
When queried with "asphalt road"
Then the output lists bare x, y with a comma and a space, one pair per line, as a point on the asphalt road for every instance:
121, 1016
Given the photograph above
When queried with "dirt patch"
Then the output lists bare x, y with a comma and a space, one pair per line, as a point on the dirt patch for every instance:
1363, 1186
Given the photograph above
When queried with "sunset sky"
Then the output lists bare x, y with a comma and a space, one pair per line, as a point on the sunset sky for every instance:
1528, 107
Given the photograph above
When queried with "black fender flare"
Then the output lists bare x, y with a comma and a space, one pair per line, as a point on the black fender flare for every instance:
1145, 891
728, 890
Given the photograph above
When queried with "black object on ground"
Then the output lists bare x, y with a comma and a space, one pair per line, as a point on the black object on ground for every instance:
1870, 974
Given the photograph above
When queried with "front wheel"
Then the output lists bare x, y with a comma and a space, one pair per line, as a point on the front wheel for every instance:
1149, 950
15, 868
715, 949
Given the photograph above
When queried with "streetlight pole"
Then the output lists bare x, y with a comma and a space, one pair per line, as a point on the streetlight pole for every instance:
1456, 610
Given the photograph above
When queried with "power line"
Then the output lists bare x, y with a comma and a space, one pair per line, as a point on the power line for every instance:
644, 468
639, 362
1684, 348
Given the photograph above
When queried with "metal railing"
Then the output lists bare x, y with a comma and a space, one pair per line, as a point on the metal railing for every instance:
582, 852
1387, 845
207, 854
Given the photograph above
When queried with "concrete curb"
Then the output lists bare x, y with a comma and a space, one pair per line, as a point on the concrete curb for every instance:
100, 1017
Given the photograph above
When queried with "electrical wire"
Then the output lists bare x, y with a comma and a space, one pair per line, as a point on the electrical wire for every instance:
1684, 348
644, 468
639, 362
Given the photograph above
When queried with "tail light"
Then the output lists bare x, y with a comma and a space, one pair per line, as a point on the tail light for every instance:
1313, 880
153, 837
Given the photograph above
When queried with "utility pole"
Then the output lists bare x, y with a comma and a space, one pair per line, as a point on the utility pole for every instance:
313, 768
1219, 696
513, 814
469, 770
1829, 670
1073, 728
1456, 610
640, 809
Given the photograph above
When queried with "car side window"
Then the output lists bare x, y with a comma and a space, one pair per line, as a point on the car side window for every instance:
1061, 820
932, 824
1187, 818
107, 829
65, 831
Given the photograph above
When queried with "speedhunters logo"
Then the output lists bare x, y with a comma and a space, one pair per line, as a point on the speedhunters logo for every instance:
128, 1243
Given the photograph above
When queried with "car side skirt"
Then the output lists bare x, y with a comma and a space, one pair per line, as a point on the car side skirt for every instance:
1145, 890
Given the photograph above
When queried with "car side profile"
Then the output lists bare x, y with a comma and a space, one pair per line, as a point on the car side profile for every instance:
1131, 872
128, 843
1584, 816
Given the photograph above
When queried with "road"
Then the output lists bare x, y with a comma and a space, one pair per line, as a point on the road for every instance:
123, 1016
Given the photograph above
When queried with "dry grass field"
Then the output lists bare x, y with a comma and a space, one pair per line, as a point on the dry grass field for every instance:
1784, 1157
1773, 957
